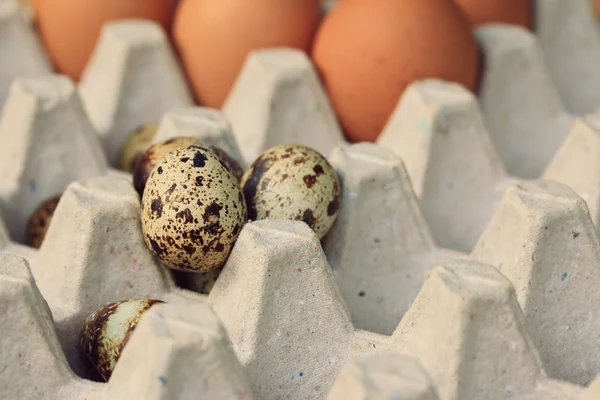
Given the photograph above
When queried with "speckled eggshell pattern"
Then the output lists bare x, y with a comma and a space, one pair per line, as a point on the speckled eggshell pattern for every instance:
193, 210
39, 222
136, 144
293, 182
106, 332
152, 156
230, 162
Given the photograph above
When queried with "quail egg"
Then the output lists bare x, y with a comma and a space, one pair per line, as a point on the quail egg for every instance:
293, 182
40, 221
148, 160
230, 163
136, 143
193, 210
152, 156
106, 332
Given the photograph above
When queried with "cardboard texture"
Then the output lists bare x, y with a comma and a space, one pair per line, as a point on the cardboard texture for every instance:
131, 79
208, 125
453, 272
278, 99
568, 35
48, 143
20, 48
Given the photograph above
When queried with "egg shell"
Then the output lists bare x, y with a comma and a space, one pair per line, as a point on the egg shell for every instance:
137, 142
146, 161
596, 8
193, 210
39, 222
293, 182
515, 12
231, 163
368, 52
106, 332
70, 28
214, 38
151, 157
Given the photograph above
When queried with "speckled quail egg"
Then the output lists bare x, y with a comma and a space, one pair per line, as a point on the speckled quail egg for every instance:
152, 156
39, 222
148, 160
231, 163
137, 142
106, 332
293, 182
193, 210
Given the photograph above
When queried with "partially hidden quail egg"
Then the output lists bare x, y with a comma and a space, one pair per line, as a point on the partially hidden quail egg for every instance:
152, 156
39, 222
137, 142
193, 210
293, 182
106, 332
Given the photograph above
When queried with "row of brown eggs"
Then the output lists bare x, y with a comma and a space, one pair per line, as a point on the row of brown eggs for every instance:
367, 52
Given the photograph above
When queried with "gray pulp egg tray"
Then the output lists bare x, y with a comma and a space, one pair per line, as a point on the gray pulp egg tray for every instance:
464, 263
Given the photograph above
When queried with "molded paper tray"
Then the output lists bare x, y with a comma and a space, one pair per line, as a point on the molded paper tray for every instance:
464, 264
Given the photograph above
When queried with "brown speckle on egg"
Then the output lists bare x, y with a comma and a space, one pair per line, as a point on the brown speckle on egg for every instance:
293, 182
137, 142
106, 332
228, 161
192, 210
40, 221
151, 157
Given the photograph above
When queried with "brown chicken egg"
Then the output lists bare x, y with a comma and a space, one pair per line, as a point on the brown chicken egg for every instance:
368, 52
515, 12
596, 7
214, 38
70, 28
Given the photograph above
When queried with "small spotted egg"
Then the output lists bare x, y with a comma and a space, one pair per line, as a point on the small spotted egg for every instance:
39, 222
106, 332
231, 163
148, 160
193, 210
137, 142
293, 182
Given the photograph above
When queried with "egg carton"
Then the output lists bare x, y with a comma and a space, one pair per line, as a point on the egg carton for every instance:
278, 300
378, 308
264, 301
